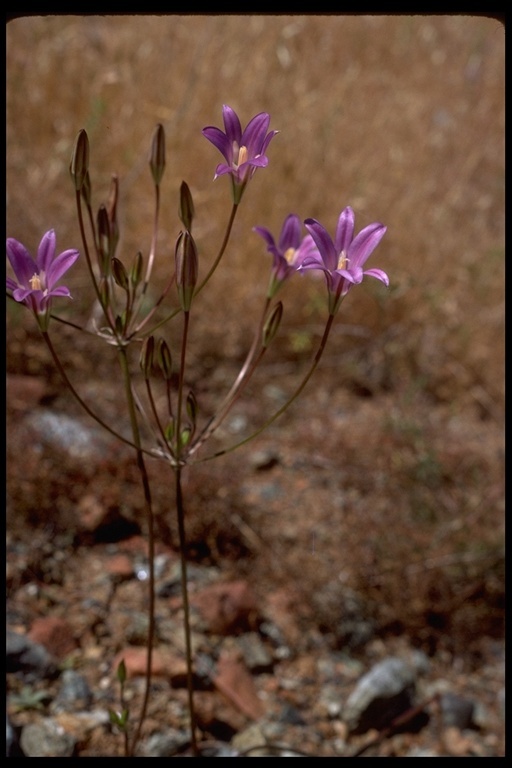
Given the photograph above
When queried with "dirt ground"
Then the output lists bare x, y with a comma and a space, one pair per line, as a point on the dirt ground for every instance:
384, 483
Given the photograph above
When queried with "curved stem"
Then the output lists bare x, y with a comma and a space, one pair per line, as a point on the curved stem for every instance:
292, 399
77, 397
151, 540
245, 373
181, 382
186, 609
222, 248
89, 262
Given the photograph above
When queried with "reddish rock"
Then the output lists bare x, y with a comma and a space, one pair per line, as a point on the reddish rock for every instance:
55, 634
234, 681
120, 566
163, 662
227, 608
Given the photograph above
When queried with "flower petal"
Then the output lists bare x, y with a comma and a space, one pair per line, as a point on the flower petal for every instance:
344, 230
324, 243
46, 251
290, 233
364, 243
60, 265
267, 236
254, 135
219, 140
232, 125
379, 274
21, 261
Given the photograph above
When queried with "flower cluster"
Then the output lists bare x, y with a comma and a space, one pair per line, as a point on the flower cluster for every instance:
174, 421
244, 151
36, 279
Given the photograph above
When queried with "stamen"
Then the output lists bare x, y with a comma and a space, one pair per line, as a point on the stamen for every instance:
242, 155
289, 255
35, 283
342, 261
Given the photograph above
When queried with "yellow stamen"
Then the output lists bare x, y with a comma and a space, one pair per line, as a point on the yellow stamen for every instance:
242, 155
35, 283
289, 255
342, 261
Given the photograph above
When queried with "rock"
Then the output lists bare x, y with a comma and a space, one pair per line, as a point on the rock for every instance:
46, 738
74, 693
385, 692
456, 711
232, 678
163, 663
164, 743
255, 653
55, 633
226, 608
25, 655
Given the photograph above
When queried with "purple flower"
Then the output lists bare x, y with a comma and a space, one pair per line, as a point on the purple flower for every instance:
244, 151
343, 259
289, 253
35, 283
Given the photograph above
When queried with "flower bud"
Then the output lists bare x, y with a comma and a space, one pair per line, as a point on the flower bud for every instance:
146, 356
112, 213
136, 270
120, 274
192, 408
272, 323
103, 239
164, 359
86, 189
186, 212
186, 434
157, 156
186, 268
80, 160
169, 431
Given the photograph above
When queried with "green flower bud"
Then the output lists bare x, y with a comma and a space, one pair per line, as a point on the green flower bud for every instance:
146, 356
136, 270
163, 355
86, 189
103, 225
192, 407
120, 274
186, 268
157, 156
186, 211
79, 164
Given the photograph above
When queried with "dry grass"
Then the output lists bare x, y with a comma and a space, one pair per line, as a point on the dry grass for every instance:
401, 117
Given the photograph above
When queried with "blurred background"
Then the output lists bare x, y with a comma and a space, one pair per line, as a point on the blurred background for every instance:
401, 117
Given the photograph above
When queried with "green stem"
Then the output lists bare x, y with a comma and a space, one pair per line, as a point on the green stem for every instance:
292, 399
77, 397
89, 262
151, 540
186, 608
222, 248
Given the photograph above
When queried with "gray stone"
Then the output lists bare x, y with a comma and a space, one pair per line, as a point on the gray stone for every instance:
385, 692
46, 739
23, 655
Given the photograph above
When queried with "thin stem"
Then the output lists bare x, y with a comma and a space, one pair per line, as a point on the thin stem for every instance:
181, 382
222, 248
292, 399
245, 373
151, 539
77, 397
186, 609
89, 262
156, 416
